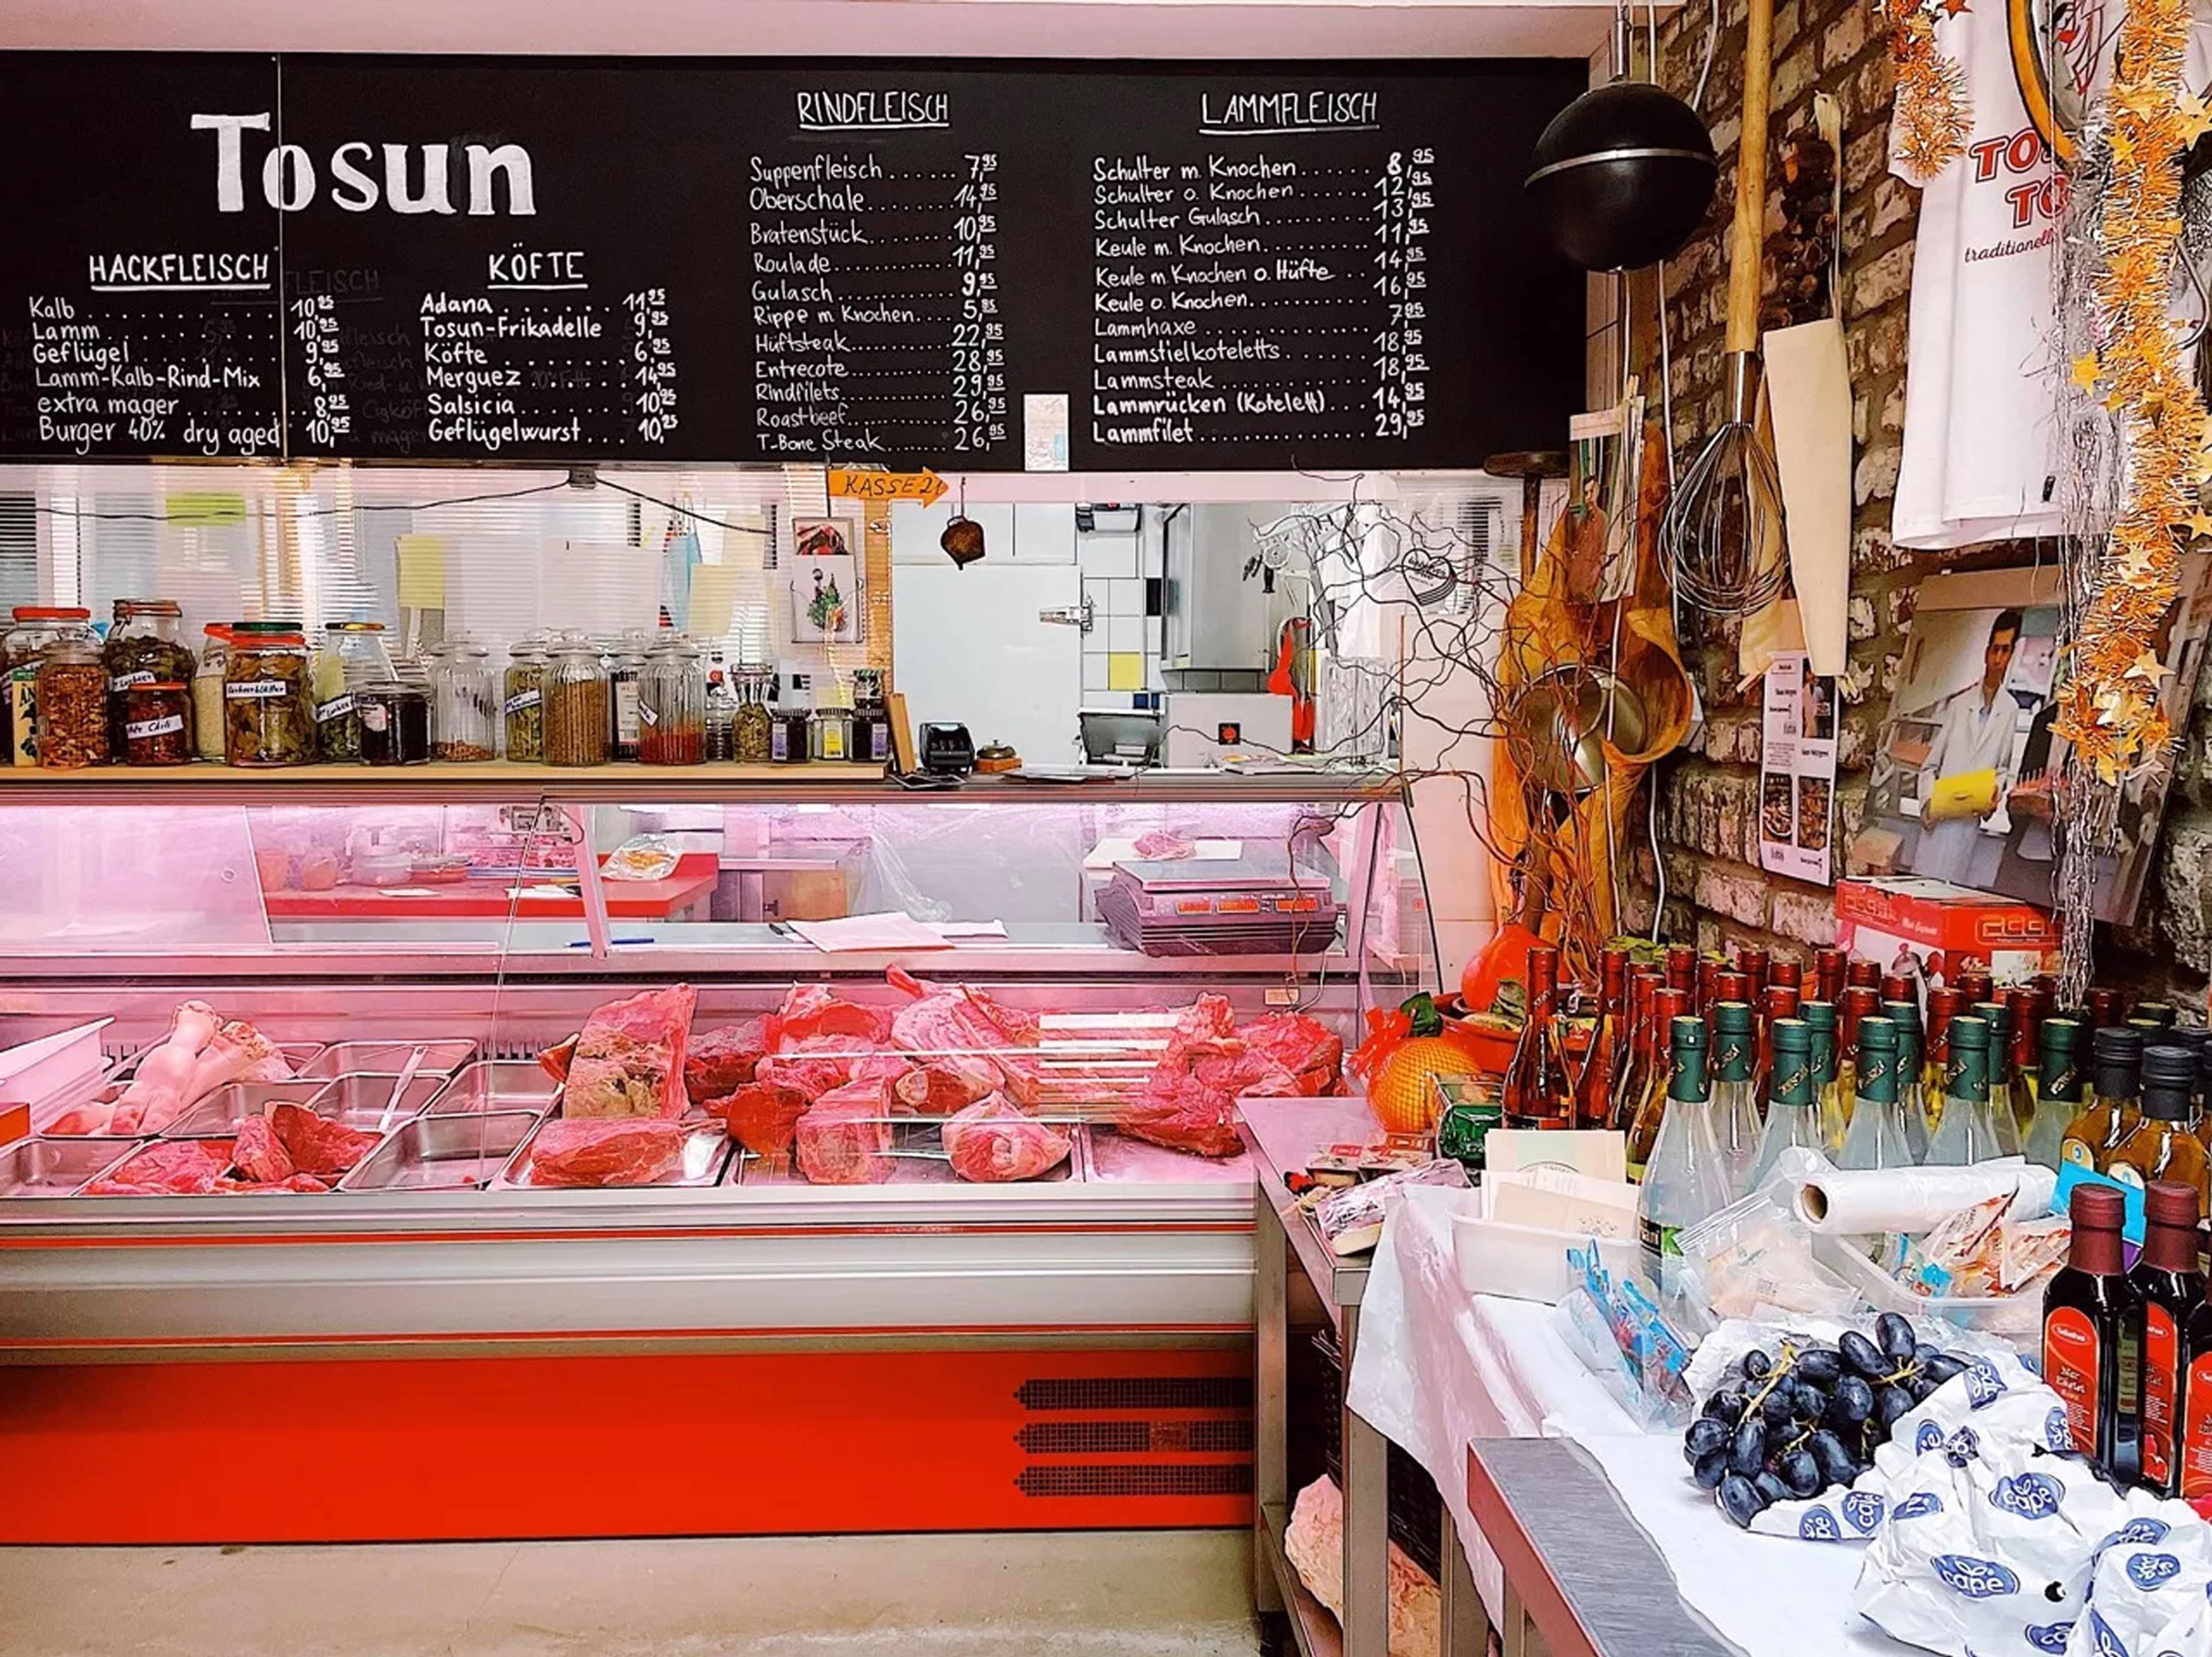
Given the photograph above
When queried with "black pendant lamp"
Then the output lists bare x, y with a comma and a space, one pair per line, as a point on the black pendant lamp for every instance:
1623, 175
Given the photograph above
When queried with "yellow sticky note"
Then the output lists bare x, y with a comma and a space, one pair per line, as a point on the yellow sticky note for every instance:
714, 595
1125, 671
422, 572
202, 507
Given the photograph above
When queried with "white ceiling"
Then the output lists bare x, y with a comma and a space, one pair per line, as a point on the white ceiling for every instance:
853, 29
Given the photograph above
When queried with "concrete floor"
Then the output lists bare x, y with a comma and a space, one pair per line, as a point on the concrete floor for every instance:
1097, 1594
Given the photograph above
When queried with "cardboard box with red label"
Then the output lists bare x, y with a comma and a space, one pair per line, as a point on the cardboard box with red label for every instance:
1947, 929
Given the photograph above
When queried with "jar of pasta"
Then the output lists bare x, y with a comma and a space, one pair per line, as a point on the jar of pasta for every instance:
72, 705
268, 704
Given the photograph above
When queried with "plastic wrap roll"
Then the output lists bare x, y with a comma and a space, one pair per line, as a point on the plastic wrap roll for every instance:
1872, 1200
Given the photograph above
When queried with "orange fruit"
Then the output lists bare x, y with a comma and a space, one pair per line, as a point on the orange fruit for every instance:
1403, 1095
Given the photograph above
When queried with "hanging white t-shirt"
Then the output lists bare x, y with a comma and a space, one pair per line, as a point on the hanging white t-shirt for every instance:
1982, 380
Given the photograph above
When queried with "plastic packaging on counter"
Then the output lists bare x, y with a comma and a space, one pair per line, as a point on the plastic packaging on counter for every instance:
1754, 1259
640, 858
1869, 1202
1351, 1219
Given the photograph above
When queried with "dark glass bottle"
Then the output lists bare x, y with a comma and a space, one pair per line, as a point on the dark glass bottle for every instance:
2195, 1409
1538, 1093
1628, 1081
1828, 975
1896, 986
2172, 1288
2161, 1146
1975, 985
1681, 967
1609, 1042
2092, 1334
1944, 1006
2026, 1053
1863, 975
1667, 1006
1753, 963
2104, 1008
1708, 986
2159, 1012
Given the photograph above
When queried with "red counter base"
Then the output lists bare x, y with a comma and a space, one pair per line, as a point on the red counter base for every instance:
741, 1445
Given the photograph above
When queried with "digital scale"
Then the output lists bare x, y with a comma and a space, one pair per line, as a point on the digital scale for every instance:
1237, 906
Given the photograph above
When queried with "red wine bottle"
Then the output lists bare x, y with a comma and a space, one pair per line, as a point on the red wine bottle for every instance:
2093, 1322
2171, 1288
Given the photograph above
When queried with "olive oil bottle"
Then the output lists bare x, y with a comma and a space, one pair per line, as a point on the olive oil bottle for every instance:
2110, 1116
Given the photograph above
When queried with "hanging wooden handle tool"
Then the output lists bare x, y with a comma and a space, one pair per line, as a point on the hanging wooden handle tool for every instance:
1745, 239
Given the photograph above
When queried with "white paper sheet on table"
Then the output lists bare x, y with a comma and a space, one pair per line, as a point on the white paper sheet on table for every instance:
870, 933
961, 931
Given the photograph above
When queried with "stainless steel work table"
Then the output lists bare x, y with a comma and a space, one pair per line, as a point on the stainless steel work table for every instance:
1284, 1136
1579, 1569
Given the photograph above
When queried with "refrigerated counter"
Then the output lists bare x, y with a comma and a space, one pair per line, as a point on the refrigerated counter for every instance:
443, 1344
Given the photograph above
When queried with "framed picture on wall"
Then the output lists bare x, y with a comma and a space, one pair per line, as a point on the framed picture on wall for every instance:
824, 581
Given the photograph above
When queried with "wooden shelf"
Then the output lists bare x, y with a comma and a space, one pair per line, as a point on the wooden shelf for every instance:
505, 782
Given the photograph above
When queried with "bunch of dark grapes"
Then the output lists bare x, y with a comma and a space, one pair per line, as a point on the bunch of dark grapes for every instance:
1790, 1423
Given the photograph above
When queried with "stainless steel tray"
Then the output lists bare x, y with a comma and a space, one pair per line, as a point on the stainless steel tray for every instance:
443, 1153
143, 1146
361, 1100
445, 1055
705, 1153
296, 1054
57, 1167
917, 1157
218, 1115
497, 1084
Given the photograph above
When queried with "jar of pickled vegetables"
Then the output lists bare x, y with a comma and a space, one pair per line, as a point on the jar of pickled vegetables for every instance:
750, 732
522, 704
71, 716
465, 719
577, 721
157, 723
38, 628
671, 704
268, 704
351, 656
144, 645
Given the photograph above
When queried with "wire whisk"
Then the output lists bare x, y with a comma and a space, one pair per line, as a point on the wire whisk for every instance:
1722, 531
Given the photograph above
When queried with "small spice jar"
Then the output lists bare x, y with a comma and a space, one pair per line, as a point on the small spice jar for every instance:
143, 646
395, 722
268, 705
207, 691
750, 724
577, 722
522, 704
465, 718
871, 725
157, 723
672, 706
72, 705
352, 655
790, 724
38, 628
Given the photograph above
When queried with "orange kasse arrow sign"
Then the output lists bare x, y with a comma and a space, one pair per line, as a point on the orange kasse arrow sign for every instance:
925, 486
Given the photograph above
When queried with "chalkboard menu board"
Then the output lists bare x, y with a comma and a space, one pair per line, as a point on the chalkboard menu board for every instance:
532, 260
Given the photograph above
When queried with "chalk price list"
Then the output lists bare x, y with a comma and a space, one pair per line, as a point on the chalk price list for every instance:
1405, 195
328, 405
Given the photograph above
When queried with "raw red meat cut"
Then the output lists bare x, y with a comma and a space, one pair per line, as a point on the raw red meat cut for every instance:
992, 1141
723, 1059
843, 1137
820, 1063
175, 1168
942, 1087
316, 1144
813, 1009
1304, 1048
629, 1057
556, 1060
1160, 846
1189, 1103
298, 1182
960, 1025
762, 1116
91, 1117
257, 1154
637, 1151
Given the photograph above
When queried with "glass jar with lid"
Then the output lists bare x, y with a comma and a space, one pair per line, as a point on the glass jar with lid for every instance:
671, 704
350, 657
157, 723
522, 701
830, 735
871, 725
207, 690
465, 716
750, 725
625, 668
38, 628
145, 646
71, 705
577, 720
268, 704
395, 721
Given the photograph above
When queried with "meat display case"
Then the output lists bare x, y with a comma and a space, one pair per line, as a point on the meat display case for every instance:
921, 1350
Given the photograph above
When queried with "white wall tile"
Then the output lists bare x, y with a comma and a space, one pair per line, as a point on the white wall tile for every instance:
1094, 669
1108, 555
1044, 532
1155, 627
1125, 633
1128, 599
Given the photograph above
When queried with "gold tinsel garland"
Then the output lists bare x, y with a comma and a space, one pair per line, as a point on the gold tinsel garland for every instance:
1933, 110
2109, 705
